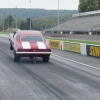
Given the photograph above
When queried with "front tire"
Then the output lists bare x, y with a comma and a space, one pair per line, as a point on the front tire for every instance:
11, 48
46, 59
16, 57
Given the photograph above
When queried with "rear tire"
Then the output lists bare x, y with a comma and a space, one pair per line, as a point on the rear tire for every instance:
46, 59
16, 57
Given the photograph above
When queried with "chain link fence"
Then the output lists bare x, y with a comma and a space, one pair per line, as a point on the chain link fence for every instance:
93, 37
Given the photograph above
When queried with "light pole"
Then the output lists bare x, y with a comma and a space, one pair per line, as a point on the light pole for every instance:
16, 17
30, 14
8, 20
3, 21
58, 18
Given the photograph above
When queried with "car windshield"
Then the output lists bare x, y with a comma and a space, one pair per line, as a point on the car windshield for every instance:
31, 38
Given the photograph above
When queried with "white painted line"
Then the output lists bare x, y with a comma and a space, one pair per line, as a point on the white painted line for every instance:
77, 62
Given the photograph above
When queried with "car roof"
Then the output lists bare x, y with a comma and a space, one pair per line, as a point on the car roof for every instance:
29, 32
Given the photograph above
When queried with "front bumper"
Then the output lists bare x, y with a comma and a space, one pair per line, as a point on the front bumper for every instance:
33, 52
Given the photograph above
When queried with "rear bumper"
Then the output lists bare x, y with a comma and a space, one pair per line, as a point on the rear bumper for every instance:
34, 52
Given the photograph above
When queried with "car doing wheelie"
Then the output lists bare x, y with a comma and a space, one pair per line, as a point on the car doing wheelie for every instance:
29, 43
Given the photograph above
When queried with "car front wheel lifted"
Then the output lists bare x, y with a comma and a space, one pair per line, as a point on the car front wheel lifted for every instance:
11, 48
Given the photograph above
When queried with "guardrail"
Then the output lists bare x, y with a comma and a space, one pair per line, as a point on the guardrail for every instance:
82, 48
93, 50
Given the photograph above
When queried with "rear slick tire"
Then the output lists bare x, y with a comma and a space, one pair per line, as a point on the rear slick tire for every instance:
46, 59
16, 57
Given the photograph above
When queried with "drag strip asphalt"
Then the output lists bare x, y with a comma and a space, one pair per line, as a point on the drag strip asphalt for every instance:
59, 79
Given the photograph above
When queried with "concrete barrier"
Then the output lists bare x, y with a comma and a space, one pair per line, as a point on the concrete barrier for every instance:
93, 50
73, 47
55, 44
82, 48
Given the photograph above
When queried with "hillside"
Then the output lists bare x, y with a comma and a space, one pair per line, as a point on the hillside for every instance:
23, 13
41, 17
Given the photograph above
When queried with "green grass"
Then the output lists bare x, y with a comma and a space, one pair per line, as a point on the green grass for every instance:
78, 41
6, 32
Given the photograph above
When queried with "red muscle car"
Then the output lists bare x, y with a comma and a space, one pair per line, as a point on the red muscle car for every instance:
29, 43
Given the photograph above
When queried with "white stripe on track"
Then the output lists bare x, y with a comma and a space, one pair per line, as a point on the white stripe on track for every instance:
76, 62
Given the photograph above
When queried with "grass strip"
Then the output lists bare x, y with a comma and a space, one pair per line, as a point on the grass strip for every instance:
6, 32
78, 41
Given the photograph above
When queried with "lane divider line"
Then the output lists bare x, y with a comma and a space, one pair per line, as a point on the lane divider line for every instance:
76, 62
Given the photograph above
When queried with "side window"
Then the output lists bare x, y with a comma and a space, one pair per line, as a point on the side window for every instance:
15, 36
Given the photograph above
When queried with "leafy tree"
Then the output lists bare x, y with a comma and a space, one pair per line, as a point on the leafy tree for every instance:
10, 20
98, 4
22, 25
82, 5
1, 28
41, 18
5, 23
88, 5
26, 25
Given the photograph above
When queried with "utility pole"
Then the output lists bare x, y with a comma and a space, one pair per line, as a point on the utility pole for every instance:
3, 21
30, 14
16, 17
58, 19
8, 20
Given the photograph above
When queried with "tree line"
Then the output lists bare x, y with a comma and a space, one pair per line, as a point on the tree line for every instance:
23, 13
36, 24
40, 18
88, 5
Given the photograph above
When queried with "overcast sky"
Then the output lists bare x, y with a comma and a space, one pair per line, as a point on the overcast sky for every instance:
45, 4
